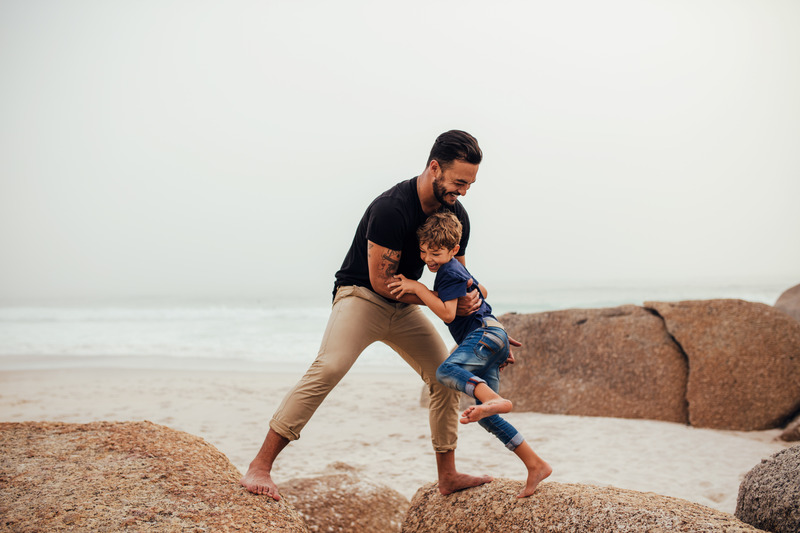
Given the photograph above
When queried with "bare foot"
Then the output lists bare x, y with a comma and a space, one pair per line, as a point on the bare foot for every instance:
456, 482
492, 407
535, 476
258, 481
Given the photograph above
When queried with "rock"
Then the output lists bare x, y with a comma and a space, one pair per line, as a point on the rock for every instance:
558, 507
791, 432
744, 362
344, 502
108, 476
770, 492
617, 362
789, 302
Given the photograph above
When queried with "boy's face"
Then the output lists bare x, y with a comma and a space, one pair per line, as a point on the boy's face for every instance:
436, 257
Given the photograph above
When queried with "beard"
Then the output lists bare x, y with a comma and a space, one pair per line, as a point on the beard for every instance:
439, 191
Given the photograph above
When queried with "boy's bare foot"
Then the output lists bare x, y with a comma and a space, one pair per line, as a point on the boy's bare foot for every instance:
259, 481
456, 482
535, 476
492, 407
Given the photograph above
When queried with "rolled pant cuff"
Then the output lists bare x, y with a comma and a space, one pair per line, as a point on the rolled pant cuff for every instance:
515, 441
283, 430
473, 382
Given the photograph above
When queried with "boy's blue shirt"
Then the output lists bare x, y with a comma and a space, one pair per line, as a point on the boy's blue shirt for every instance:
451, 283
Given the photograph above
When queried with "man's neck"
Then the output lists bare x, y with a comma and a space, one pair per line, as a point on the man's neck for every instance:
425, 192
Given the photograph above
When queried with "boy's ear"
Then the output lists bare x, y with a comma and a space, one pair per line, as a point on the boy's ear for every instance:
456, 248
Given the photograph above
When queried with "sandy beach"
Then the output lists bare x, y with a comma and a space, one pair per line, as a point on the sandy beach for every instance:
373, 422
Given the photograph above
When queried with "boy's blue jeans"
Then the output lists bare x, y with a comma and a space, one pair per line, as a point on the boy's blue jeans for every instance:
477, 360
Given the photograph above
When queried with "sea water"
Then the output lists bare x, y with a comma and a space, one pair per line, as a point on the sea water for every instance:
261, 336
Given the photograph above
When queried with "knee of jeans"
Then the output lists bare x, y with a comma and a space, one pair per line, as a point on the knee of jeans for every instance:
441, 373
445, 377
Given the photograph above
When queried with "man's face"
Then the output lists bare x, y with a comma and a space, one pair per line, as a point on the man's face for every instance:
449, 184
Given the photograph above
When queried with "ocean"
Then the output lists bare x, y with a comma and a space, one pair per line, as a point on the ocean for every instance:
262, 336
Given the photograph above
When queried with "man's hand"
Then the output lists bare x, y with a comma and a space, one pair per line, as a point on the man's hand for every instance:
511, 360
470, 303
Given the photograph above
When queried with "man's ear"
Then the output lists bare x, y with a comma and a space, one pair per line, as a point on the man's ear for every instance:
434, 166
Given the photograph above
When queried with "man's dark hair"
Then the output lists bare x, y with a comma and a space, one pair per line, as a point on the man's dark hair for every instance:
455, 145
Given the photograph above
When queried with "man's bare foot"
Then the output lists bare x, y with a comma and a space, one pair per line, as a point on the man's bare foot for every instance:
535, 476
258, 481
492, 407
456, 482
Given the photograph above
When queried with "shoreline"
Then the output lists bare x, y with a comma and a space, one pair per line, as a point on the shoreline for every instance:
372, 421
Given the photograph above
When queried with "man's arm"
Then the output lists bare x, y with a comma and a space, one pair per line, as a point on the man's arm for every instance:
383, 264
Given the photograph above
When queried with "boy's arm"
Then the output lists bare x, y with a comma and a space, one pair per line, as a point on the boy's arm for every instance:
382, 263
444, 310
404, 286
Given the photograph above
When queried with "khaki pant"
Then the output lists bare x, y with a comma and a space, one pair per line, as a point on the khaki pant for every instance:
358, 318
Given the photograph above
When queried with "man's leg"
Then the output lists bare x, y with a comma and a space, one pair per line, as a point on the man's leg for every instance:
415, 338
258, 478
354, 324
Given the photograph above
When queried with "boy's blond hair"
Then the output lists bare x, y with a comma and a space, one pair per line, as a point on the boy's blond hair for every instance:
441, 230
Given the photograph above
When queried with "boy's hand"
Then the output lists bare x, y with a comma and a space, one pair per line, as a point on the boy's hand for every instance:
402, 285
511, 360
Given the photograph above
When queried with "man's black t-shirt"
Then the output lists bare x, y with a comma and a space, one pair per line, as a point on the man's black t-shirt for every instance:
391, 220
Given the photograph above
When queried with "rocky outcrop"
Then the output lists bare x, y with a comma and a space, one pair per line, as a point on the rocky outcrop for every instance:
556, 507
770, 492
135, 476
791, 433
744, 362
789, 302
618, 362
726, 364
342, 502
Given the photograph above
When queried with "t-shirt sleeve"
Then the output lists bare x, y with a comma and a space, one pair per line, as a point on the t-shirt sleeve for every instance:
451, 285
464, 218
387, 224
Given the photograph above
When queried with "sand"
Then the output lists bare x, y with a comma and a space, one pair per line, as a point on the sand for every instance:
373, 422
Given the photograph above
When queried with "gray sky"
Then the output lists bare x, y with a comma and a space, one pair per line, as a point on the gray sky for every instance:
228, 149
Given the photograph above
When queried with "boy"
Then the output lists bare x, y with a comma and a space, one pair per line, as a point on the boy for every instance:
474, 366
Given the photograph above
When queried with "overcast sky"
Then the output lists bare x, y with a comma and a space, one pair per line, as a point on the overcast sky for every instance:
228, 149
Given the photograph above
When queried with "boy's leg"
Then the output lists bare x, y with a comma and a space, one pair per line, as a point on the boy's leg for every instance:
474, 368
471, 366
487, 393
462, 368
353, 325
489, 403
415, 338
538, 469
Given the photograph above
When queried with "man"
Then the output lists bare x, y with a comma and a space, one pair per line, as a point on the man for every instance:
364, 310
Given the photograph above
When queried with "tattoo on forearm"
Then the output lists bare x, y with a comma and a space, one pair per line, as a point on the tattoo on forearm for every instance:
389, 262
